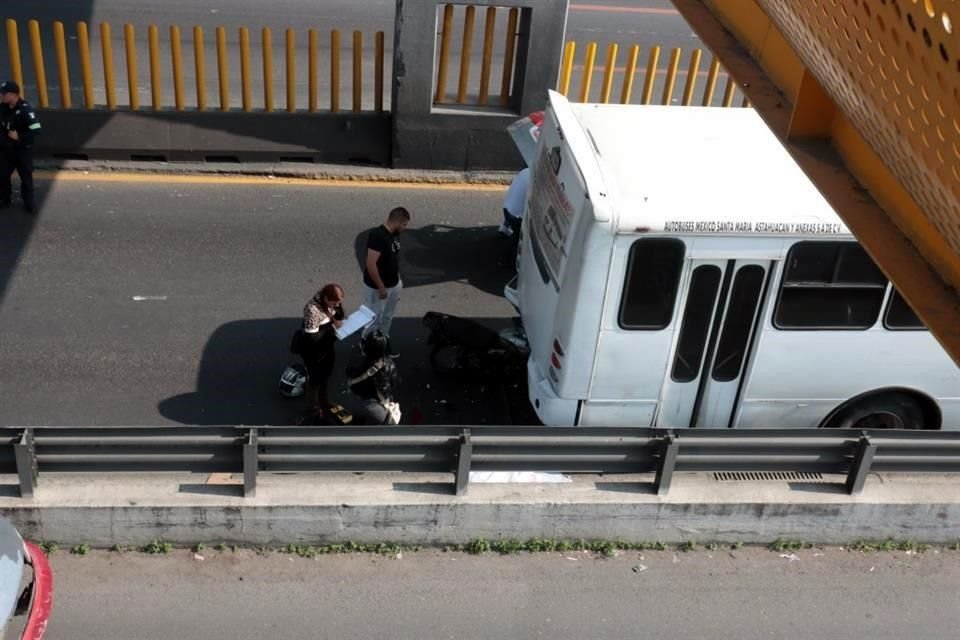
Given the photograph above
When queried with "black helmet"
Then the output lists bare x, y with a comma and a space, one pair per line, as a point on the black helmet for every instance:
376, 345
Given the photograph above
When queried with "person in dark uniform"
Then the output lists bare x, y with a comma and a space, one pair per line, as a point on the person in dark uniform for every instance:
18, 129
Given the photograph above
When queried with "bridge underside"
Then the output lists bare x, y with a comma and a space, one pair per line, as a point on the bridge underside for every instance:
864, 94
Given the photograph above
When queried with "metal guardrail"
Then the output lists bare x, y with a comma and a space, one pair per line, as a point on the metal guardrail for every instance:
33, 451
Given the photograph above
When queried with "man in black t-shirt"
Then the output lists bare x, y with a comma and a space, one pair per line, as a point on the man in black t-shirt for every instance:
381, 273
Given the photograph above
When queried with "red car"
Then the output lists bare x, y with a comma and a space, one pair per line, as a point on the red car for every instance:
36, 598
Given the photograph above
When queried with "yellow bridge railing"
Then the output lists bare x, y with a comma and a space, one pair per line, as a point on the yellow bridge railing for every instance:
459, 28
58, 33
660, 84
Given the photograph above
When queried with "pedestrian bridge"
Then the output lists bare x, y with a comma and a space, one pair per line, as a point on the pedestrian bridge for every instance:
865, 95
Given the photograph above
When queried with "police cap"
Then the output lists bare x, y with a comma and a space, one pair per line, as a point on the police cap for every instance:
9, 87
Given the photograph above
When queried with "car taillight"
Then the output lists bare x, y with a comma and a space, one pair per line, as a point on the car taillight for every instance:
557, 348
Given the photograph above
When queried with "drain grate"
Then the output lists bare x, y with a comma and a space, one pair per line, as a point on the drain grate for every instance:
754, 476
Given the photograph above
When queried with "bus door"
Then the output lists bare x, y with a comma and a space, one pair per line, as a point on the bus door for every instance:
717, 329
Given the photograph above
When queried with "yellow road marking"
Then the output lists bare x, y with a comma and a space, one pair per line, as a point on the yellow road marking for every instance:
156, 178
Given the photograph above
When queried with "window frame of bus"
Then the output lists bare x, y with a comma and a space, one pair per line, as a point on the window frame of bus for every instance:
632, 262
894, 296
842, 248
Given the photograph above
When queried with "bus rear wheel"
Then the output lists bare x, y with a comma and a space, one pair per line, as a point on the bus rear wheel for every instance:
888, 411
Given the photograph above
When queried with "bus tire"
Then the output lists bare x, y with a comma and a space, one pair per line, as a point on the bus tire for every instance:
893, 410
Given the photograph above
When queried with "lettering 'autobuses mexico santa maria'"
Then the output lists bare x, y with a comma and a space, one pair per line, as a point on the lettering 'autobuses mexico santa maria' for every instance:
677, 269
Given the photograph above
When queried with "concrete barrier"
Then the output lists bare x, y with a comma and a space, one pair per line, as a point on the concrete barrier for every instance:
418, 509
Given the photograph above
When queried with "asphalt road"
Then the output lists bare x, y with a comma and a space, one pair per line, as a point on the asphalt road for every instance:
626, 22
743, 595
129, 303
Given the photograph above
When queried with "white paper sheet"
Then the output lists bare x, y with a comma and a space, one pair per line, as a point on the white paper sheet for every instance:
517, 476
357, 320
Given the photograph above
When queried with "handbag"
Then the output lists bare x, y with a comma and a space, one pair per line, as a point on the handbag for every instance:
296, 342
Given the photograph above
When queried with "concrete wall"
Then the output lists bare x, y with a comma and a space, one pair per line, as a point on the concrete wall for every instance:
103, 510
429, 137
362, 138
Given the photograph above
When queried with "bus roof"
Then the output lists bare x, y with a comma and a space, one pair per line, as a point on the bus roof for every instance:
697, 170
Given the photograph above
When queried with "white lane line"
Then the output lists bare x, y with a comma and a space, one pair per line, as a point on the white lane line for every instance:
142, 298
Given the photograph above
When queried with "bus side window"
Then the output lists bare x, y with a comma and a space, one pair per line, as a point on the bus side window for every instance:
650, 287
900, 316
829, 285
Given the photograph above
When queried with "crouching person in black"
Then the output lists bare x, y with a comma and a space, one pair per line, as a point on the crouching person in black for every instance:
375, 381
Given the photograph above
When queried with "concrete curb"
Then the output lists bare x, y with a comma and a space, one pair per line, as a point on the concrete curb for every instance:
134, 509
304, 171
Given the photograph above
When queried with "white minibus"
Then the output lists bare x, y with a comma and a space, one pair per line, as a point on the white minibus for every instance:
677, 269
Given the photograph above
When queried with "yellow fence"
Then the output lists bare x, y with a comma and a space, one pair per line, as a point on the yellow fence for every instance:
199, 100
660, 84
465, 92
627, 82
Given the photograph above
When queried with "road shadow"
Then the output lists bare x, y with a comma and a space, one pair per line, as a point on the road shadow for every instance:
231, 490
426, 488
438, 253
642, 486
241, 363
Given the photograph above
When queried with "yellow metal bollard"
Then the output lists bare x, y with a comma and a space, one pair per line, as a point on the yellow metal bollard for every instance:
490, 23
692, 72
608, 73
378, 73
106, 47
671, 78
13, 49
566, 69
711, 87
267, 38
246, 93
313, 72
291, 72
129, 42
156, 91
200, 69
357, 70
465, 54
588, 71
60, 46
37, 46
631, 70
653, 60
223, 70
508, 56
177, 59
83, 40
728, 92
442, 64
334, 71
